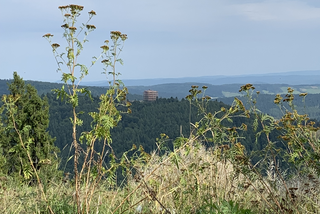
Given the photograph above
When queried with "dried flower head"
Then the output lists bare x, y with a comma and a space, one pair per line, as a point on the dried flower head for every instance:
246, 87
124, 37
76, 7
204, 87
73, 28
105, 61
63, 7
116, 33
67, 15
278, 99
290, 90
90, 27
207, 97
65, 26
55, 45
303, 94
92, 13
47, 35
105, 47
107, 41
189, 97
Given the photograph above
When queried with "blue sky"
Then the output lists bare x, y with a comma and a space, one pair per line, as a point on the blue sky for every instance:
168, 38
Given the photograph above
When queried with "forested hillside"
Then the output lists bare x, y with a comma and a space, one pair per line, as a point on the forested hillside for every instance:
146, 122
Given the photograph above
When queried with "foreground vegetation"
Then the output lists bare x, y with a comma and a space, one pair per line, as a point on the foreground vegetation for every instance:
210, 170
192, 178
179, 182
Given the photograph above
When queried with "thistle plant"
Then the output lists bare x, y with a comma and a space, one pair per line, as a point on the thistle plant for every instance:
93, 168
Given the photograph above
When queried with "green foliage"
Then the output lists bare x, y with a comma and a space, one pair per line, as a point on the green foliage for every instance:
89, 165
25, 111
216, 169
225, 207
144, 124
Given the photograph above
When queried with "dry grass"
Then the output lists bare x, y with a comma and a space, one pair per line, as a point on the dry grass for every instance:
178, 182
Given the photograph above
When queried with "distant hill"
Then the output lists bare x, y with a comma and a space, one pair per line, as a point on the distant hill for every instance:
291, 78
46, 87
181, 90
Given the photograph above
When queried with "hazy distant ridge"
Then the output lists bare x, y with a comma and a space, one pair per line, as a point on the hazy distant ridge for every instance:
291, 78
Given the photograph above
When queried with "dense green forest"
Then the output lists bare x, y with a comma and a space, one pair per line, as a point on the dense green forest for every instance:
146, 122
149, 119
224, 93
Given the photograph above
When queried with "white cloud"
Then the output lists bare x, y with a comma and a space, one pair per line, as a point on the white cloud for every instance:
278, 10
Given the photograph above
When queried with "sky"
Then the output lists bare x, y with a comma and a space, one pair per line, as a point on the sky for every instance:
167, 38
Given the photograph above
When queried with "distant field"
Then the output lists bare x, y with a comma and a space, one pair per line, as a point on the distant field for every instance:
311, 89
266, 92
280, 90
230, 94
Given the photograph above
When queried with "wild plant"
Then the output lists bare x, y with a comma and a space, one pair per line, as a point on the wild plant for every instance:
211, 171
297, 148
179, 180
93, 167
25, 142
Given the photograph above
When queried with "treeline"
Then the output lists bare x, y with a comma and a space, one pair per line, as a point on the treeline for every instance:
47, 87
